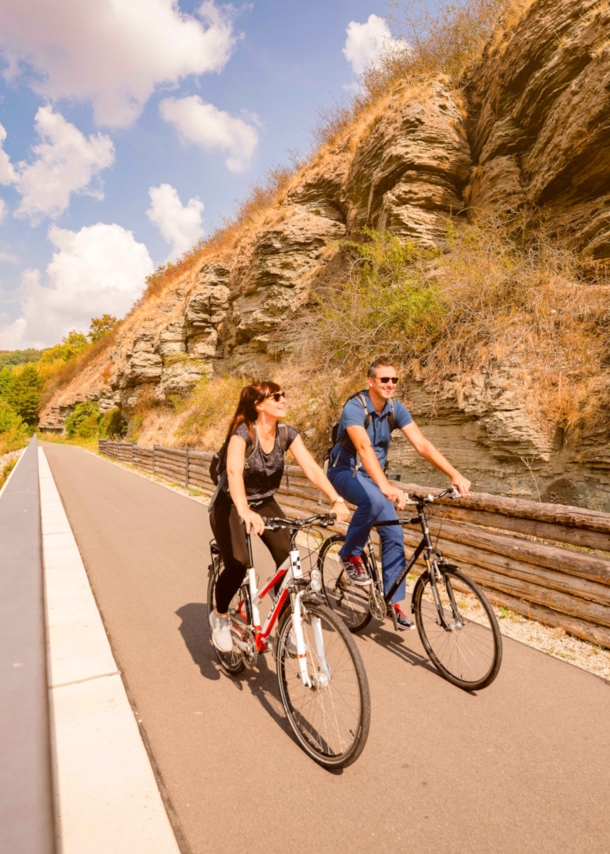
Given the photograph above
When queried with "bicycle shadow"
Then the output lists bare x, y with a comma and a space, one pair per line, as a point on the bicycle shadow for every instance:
262, 682
396, 644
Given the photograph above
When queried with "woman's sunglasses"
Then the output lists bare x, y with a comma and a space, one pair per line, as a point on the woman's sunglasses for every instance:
388, 380
276, 395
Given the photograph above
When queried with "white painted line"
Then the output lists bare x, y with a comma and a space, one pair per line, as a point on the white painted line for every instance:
107, 799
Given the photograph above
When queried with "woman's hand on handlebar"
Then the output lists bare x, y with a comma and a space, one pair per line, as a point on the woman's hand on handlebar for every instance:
254, 523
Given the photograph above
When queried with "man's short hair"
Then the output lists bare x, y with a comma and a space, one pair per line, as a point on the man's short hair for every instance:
379, 362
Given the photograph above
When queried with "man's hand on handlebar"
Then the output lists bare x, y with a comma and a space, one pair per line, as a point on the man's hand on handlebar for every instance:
254, 523
396, 495
461, 483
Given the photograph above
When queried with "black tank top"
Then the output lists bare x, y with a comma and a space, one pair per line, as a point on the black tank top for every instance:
263, 472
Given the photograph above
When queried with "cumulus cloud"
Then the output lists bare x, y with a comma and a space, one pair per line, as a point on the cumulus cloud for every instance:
113, 54
7, 171
212, 129
65, 162
366, 43
99, 269
8, 258
180, 225
2, 210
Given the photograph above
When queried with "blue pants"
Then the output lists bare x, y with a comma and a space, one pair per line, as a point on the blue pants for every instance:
373, 507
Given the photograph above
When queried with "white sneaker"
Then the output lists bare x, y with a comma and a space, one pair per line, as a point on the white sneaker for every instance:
221, 632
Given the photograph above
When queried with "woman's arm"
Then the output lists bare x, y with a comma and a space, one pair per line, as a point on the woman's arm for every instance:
236, 460
315, 474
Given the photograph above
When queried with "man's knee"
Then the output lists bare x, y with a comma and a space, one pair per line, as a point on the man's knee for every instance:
374, 503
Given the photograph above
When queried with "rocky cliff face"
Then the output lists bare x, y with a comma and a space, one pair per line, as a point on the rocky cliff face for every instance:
531, 134
404, 169
538, 123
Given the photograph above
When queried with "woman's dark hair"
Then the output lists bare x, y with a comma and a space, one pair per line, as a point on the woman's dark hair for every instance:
246, 412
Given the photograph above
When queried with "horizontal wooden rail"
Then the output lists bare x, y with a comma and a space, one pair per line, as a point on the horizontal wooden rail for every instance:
549, 562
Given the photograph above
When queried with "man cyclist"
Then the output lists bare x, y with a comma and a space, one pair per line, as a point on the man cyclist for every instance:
357, 471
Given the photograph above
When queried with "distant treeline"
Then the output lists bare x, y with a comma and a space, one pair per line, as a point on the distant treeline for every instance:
9, 358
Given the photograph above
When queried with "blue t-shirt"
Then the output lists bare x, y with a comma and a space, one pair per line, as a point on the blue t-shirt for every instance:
353, 415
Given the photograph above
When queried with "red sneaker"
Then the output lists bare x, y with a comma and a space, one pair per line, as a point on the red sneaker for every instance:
356, 571
401, 619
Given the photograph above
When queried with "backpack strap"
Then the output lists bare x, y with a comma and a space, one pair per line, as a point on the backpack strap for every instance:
282, 430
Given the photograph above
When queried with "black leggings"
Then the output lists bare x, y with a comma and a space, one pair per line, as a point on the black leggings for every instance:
230, 533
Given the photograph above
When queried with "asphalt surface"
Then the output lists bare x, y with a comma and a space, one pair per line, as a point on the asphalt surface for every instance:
523, 766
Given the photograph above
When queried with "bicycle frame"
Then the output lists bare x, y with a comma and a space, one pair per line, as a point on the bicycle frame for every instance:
290, 577
426, 547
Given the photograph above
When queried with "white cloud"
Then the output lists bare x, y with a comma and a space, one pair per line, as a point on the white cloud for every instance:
366, 43
7, 172
2, 210
113, 54
8, 258
180, 225
65, 162
212, 129
99, 269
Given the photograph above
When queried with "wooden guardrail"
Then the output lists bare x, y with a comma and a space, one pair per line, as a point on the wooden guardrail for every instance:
548, 562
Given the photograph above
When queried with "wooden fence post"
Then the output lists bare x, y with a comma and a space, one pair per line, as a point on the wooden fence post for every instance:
133, 444
188, 460
154, 458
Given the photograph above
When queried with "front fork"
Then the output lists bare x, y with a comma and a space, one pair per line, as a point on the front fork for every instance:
322, 678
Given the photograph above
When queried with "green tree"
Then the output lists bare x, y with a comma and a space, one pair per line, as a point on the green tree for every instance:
6, 382
84, 420
71, 345
9, 419
101, 326
24, 393
112, 425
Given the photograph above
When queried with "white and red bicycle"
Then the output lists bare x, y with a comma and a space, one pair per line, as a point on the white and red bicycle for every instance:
322, 681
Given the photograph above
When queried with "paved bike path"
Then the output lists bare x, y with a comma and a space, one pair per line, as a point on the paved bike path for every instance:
520, 767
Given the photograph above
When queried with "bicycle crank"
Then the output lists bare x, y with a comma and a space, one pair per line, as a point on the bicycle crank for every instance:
377, 604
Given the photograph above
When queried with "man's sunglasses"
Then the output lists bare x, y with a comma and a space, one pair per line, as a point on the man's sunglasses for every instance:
388, 379
276, 395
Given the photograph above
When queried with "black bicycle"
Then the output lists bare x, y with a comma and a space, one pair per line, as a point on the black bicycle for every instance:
456, 623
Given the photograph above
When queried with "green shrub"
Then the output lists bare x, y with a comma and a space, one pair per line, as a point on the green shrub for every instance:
388, 303
112, 425
84, 420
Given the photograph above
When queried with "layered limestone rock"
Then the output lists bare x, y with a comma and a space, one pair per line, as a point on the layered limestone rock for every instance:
532, 136
539, 123
403, 168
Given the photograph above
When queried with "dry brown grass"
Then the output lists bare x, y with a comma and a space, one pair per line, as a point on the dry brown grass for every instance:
69, 371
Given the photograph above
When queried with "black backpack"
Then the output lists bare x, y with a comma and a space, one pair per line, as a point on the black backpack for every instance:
218, 463
334, 433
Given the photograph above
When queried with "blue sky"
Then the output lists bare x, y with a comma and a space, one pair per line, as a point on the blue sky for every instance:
128, 134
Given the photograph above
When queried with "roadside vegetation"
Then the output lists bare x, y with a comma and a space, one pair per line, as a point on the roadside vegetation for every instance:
28, 377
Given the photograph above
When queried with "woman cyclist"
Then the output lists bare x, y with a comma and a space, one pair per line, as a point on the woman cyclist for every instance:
255, 465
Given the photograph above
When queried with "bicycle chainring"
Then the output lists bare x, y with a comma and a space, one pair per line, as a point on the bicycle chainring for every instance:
250, 656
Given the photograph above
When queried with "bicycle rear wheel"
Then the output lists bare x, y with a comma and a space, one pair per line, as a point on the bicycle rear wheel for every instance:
330, 718
231, 662
468, 652
350, 602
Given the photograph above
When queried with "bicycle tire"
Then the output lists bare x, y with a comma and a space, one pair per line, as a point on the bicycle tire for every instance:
231, 662
467, 655
349, 602
332, 723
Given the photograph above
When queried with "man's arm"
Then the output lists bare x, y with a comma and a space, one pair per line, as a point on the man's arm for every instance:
429, 452
362, 443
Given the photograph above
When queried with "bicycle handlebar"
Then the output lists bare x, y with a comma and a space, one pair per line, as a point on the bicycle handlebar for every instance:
274, 523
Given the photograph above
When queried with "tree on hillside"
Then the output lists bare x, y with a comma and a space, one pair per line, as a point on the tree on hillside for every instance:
23, 393
101, 326
18, 357
71, 345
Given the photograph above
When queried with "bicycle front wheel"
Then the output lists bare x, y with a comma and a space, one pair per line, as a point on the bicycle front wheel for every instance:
331, 715
348, 601
464, 644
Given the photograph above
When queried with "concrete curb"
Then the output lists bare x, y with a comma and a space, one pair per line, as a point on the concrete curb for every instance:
106, 795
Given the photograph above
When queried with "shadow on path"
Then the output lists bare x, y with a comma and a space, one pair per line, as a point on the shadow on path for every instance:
262, 681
